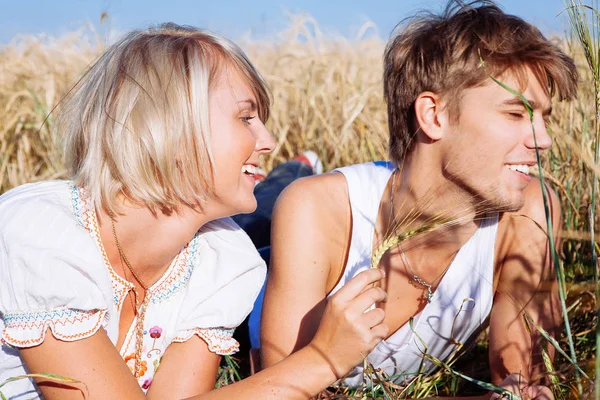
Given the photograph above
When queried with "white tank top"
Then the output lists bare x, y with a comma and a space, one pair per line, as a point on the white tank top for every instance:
460, 304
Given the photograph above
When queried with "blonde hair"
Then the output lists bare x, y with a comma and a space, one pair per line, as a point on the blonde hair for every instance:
443, 53
137, 124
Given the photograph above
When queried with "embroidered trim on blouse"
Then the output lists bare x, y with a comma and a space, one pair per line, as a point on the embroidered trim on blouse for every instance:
86, 217
219, 340
175, 277
24, 329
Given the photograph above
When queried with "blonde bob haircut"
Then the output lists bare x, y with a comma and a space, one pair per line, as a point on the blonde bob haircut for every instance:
137, 124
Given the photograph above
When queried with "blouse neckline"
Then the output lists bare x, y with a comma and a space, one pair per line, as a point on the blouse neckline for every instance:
172, 280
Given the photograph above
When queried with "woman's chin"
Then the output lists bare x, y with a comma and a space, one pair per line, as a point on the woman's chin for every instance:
247, 206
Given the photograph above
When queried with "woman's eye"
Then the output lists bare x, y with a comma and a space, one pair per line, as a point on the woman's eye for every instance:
247, 120
516, 115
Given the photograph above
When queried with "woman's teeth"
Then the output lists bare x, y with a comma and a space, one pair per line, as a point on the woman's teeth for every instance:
520, 168
249, 169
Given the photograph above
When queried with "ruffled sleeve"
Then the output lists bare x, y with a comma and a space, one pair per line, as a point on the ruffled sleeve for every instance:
51, 272
227, 277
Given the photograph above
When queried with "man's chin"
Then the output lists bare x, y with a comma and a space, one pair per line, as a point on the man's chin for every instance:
511, 206
497, 203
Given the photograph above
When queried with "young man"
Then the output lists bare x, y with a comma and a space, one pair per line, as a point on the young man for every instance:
461, 147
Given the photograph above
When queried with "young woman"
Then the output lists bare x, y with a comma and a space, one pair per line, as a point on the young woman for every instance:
129, 278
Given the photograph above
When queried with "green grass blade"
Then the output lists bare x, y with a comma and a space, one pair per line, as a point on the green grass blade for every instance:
555, 344
589, 42
52, 377
233, 366
560, 275
528, 106
485, 385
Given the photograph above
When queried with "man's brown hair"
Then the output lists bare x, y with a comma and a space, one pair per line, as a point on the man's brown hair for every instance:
444, 54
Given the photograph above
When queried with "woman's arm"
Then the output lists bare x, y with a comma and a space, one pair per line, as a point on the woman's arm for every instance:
93, 360
345, 335
186, 369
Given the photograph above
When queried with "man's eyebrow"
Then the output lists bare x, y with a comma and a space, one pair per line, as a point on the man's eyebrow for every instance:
515, 101
250, 102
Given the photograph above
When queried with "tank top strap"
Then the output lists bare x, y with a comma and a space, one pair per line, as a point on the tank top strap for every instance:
366, 183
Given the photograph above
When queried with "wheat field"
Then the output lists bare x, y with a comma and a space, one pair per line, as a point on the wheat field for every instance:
327, 97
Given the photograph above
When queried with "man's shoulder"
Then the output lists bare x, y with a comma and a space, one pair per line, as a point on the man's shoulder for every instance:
533, 211
370, 173
526, 230
313, 213
315, 194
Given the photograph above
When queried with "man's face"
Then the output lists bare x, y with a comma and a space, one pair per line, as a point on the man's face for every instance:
489, 150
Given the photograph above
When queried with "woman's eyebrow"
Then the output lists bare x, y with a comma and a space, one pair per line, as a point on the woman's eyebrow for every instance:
250, 102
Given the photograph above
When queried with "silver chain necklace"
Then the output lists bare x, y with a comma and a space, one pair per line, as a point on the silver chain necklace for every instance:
428, 286
415, 277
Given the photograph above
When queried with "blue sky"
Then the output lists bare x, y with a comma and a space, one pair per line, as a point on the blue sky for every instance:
234, 18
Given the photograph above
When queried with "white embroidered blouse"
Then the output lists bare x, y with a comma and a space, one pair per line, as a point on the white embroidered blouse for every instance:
54, 273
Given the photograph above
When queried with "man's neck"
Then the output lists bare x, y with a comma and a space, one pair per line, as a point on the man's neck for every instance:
435, 203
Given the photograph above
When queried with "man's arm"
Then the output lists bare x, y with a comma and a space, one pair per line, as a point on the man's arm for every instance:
309, 239
526, 284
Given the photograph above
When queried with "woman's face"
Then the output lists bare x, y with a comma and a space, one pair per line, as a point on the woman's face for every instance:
238, 137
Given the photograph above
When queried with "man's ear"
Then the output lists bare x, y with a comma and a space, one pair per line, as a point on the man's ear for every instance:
431, 115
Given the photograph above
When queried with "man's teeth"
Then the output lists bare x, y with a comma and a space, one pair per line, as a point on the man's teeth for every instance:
520, 168
249, 169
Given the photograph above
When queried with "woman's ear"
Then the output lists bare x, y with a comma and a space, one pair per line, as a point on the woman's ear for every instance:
431, 115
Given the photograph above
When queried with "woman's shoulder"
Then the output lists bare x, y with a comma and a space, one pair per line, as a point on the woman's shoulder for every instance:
37, 207
223, 234
222, 250
55, 191
51, 270
225, 275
